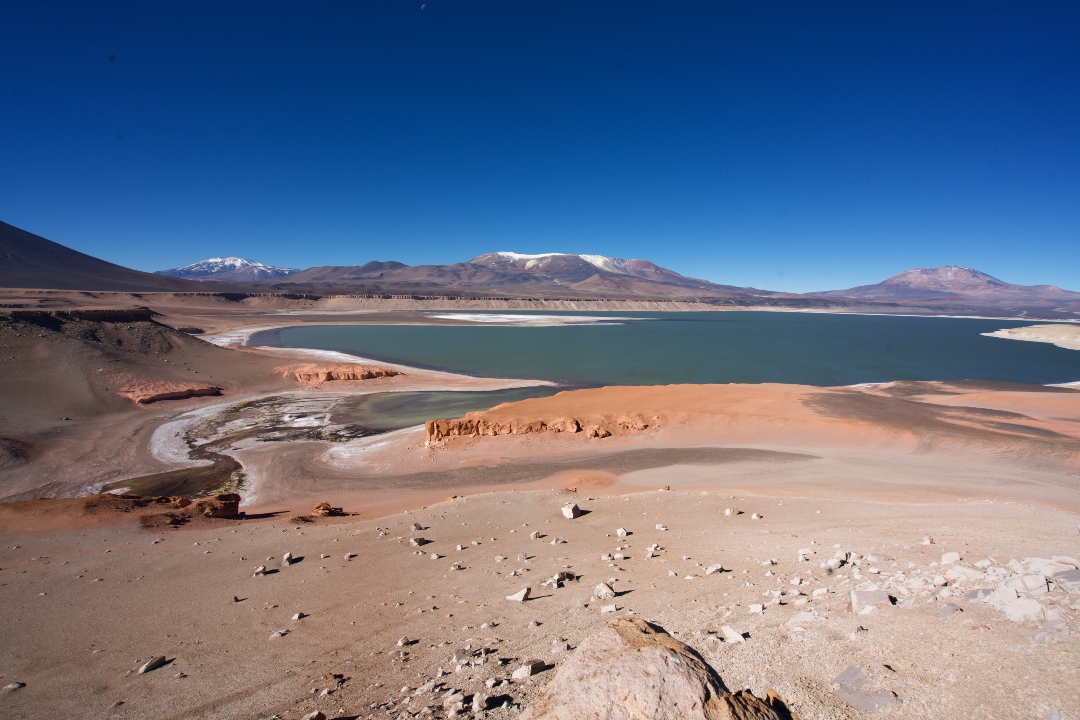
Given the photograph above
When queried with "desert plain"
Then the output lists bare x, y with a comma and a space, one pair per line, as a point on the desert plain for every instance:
907, 549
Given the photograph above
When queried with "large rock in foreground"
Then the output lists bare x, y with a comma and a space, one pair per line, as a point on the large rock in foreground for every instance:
632, 670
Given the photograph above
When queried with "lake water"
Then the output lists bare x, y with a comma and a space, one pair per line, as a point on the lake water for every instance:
706, 347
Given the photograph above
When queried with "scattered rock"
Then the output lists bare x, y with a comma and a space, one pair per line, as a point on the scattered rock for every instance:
261, 570
324, 509
287, 559
848, 686
609, 608
528, 669
603, 591
520, 596
571, 511
317, 715
226, 505
714, 569
418, 541
946, 610
950, 557
631, 669
621, 532
862, 599
154, 664
12, 687
730, 636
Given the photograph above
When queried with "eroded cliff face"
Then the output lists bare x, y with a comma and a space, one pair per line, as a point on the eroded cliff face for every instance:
148, 391
315, 373
478, 425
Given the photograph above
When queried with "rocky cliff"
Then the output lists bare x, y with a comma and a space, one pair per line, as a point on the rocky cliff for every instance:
478, 424
148, 391
314, 373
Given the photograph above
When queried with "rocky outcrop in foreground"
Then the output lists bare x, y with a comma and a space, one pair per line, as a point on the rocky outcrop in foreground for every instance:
149, 391
474, 424
314, 373
631, 669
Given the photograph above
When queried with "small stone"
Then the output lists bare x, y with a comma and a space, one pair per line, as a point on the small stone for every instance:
757, 608
530, 668
14, 686
603, 591
730, 636
317, 715
350, 556
571, 511
755, 516
714, 569
299, 616
520, 596
950, 557
261, 570
287, 559
609, 608
418, 541
403, 641
154, 664
416, 527
534, 535
621, 532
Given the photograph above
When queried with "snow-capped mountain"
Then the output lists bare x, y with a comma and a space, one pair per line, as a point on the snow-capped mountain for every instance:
572, 267
228, 269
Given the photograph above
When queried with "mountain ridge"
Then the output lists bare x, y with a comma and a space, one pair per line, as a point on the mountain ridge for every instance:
228, 269
31, 261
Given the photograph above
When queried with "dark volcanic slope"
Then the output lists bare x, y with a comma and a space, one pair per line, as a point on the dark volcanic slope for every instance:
30, 261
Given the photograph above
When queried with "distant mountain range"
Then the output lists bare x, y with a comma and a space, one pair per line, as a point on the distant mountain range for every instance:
30, 261
229, 269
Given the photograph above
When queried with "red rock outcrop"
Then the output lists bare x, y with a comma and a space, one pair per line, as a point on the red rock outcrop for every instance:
220, 506
476, 424
314, 373
148, 391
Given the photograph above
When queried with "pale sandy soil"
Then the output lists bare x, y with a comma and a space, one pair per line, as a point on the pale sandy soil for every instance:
1064, 336
85, 609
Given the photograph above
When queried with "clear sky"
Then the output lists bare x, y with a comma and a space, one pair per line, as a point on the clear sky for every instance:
786, 145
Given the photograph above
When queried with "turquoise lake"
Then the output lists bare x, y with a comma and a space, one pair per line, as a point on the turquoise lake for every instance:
706, 347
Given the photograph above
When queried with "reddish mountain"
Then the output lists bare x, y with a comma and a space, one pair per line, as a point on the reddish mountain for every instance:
950, 284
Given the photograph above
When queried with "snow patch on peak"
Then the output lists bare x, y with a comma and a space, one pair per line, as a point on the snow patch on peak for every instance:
602, 262
615, 265
218, 264
513, 256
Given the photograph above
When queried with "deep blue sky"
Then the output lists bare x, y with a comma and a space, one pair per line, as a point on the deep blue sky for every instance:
794, 146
